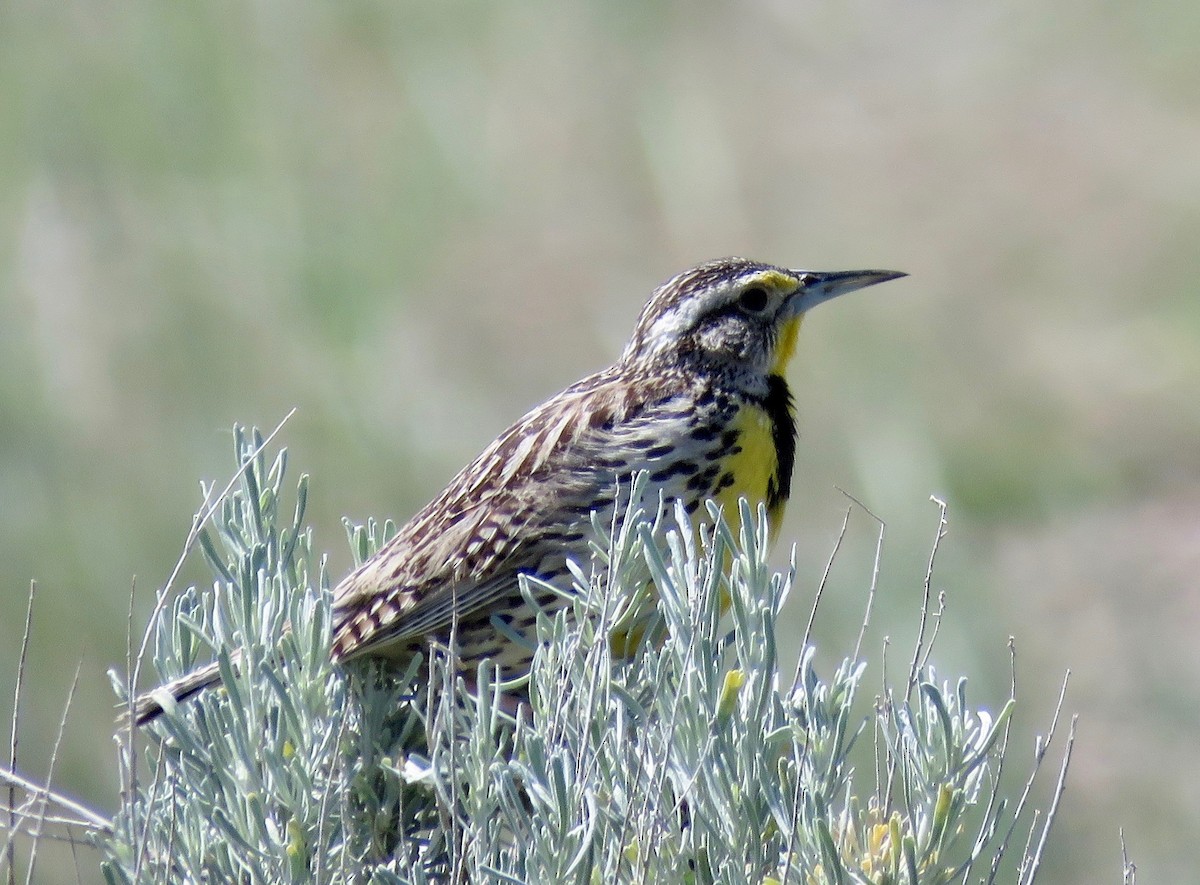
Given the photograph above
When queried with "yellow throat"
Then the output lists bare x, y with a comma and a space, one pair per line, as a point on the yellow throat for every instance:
759, 475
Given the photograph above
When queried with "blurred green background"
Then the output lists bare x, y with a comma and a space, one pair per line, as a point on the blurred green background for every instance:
413, 221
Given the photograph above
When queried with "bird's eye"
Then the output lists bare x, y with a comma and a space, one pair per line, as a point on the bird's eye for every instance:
753, 300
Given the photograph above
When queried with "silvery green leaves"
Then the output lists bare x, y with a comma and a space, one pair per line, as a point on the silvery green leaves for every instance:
693, 761
683, 755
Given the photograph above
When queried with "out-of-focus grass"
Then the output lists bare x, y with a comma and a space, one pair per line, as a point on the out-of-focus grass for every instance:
414, 222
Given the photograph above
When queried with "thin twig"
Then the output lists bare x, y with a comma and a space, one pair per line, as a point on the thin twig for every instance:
884, 703
128, 745
1128, 868
149, 802
1039, 755
87, 817
450, 687
937, 540
1026, 854
937, 617
866, 621
1059, 788
57, 819
62, 727
812, 615
11, 849
989, 824
73, 842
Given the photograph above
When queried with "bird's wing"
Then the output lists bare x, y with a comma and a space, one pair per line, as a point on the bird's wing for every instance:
499, 516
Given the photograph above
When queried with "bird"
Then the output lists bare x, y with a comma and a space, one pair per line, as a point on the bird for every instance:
698, 401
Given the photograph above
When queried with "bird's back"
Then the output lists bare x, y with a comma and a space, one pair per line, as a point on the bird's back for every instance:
525, 504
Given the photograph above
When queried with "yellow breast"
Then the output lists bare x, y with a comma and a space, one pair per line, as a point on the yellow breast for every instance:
754, 468
759, 476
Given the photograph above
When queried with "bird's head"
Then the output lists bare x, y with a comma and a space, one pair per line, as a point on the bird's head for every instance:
743, 314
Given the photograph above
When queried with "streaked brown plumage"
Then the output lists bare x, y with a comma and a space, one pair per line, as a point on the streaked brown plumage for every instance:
698, 400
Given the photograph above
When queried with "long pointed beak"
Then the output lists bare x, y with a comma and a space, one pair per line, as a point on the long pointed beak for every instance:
818, 287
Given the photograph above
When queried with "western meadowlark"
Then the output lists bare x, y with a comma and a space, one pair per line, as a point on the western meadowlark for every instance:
698, 401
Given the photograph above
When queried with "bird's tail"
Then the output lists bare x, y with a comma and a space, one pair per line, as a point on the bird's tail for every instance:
149, 706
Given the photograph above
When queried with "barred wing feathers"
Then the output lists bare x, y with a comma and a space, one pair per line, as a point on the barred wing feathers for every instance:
500, 516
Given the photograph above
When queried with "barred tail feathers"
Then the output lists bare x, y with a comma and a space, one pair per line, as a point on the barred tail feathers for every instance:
149, 706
